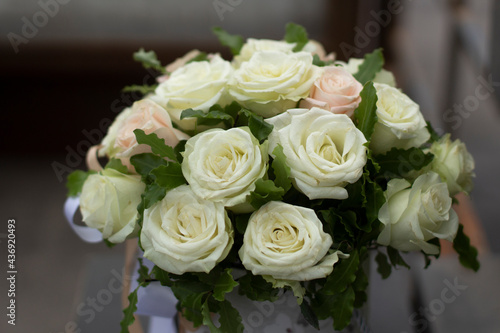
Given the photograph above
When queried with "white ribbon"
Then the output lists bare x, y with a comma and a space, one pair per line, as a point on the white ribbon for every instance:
89, 235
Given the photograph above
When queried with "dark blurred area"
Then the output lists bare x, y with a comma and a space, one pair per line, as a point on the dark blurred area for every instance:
63, 64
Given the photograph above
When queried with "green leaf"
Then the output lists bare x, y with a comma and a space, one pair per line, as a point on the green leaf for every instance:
344, 273
75, 180
144, 274
395, 258
281, 169
116, 164
144, 163
257, 289
224, 284
230, 319
343, 306
185, 287
241, 222
144, 89
434, 136
192, 308
181, 146
157, 145
322, 305
152, 194
366, 113
309, 314
162, 276
400, 162
265, 191
320, 63
169, 176
374, 199
109, 244
467, 254
259, 128
148, 60
296, 34
234, 42
128, 312
210, 118
207, 318
384, 268
372, 64
202, 56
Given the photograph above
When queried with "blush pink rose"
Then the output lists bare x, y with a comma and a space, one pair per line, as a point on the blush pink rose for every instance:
336, 90
120, 142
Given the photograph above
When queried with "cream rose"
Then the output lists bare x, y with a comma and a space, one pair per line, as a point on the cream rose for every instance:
324, 151
253, 45
223, 165
287, 242
273, 81
415, 214
184, 233
453, 163
197, 85
336, 90
383, 76
400, 122
120, 141
109, 202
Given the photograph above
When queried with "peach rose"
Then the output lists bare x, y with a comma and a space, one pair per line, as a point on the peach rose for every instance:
120, 141
336, 91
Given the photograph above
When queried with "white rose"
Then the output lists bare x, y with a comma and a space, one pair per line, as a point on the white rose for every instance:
287, 242
400, 122
272, 81
109, 202
383, 76
223, 165
415, 214
253, 45
120, 141
197, 85
183, 233
453, 163
324, 151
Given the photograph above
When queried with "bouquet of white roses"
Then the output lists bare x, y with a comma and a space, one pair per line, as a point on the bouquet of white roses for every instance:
283, 164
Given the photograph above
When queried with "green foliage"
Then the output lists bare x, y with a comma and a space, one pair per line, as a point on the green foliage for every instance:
383, 268
116, 164
399, 162
202, 56
281, 169
467, 254
366, 114
157, 145
149, 60
320, 63
210, 118
259, 128
309, 315
224, 284
296, 34
234, 42
256, 288
434, 136
75, 180
343, 275
372, 64
128, 312
146, 162
142, 89
265, 191
395, 258
343, 306
169, 176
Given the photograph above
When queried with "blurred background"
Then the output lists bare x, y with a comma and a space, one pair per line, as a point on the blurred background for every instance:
63, 64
